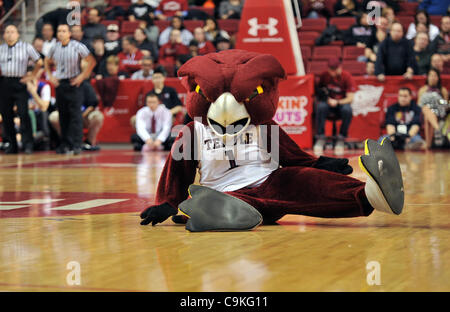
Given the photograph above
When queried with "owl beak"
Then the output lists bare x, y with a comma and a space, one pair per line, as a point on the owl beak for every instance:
227, 117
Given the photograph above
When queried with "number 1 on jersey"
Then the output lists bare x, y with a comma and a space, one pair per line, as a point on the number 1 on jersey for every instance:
230, 156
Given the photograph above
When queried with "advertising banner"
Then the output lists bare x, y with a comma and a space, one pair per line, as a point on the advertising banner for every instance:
295, 111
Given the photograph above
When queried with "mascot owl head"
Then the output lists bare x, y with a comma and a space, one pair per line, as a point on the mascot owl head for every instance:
232, 89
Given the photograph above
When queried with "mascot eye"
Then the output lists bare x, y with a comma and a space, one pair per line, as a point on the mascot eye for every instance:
259, 90
199, 91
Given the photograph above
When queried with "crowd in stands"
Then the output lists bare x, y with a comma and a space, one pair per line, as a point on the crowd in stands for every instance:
401, 40
378, 38
168, 31
151, 39
5, 6
134, 39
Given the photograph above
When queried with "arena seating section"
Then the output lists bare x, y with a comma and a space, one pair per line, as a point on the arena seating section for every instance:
314, 57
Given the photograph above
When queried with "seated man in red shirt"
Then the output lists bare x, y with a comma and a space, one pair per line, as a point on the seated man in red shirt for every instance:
336, 91
171, 50
130, 57
170, 8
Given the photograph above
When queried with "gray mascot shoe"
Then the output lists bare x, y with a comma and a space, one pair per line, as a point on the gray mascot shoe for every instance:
384, 186
210, 210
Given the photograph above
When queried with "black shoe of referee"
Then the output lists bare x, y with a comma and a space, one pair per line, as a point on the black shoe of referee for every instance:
62, 150
11, 149
28, 150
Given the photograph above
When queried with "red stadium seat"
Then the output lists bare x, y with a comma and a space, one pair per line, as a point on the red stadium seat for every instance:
161, 24
106, 23
306, 52
343, 23
307, 43
326, 52
308, 36
305, 64
316, 67
405, 21
231, 26
209, 11
352, 52
170, 70
408, 8
330, 6
129, 27
354, 67
121, 3
436, 20
314, 24
192, 24
447, 66
339, 43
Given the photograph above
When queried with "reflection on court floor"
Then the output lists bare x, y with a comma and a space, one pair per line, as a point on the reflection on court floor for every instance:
72, 223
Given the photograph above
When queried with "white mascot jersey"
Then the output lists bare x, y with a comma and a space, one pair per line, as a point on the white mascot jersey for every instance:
242, 162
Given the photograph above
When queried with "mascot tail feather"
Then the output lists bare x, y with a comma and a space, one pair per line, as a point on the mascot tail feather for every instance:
384, 186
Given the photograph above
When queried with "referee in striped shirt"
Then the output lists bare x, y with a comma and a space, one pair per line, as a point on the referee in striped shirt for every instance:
14, 58
67, 55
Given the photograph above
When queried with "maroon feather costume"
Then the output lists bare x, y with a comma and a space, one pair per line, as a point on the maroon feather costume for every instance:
296, 187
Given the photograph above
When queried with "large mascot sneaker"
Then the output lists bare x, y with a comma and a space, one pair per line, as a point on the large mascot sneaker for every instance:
210, 210
384, 186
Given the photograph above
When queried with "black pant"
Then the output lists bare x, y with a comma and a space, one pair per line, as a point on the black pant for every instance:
42, 135
343, 111
138, 143
13, 92
70, 115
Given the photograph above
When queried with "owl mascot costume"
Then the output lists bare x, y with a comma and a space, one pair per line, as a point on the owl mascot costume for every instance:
251, 172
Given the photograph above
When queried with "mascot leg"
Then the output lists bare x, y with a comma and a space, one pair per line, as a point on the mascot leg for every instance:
307, 191
318, 193
302, 191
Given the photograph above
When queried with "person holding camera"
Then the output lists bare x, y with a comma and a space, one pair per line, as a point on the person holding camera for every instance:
403, 123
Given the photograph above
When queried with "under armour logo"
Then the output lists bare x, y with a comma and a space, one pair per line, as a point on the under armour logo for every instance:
255, 27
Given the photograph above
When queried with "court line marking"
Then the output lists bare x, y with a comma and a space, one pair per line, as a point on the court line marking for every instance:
12, 207
69, 288
36, 201
427, 204
89, 204
42, 160
26, 203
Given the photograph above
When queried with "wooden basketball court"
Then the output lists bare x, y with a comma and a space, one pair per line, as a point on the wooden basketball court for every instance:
66, 214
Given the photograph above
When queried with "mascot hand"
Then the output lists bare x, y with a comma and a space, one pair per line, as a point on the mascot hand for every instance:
157, 214
338, 165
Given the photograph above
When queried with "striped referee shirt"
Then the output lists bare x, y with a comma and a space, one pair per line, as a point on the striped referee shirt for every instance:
14, 59
68, 58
